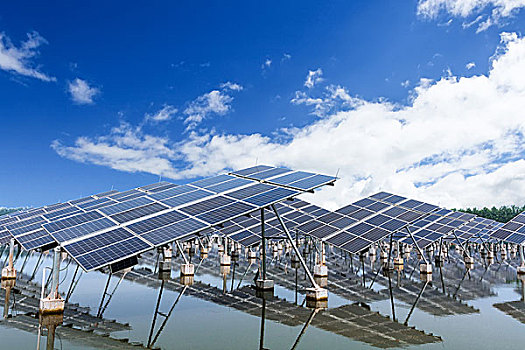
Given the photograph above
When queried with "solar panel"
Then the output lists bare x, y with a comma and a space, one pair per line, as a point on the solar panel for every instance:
212, 181
136, 213
222, 214
186, 198
513, 231
172, 192
152, 186
112, 253
36, 239
124, 206
72, 221
156, 221
206, 205
82, 229
170, 232
272, 196
252, 170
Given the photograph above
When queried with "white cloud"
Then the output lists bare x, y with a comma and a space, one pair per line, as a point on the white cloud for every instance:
466, 8
470, 65
231, 86
459, 142
19, 59
164, 114
313, 77
81, 92
405, 83
214, 102
286, 57
266, 64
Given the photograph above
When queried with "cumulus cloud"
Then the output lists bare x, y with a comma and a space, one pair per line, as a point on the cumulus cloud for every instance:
81, 92
459, 142
164, 114
465, 8
19, 60
215, 102
313, 77
470, 65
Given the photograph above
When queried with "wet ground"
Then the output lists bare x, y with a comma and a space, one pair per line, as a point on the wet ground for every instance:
459, 309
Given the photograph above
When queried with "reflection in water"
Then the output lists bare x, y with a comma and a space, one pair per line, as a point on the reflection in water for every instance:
356, 291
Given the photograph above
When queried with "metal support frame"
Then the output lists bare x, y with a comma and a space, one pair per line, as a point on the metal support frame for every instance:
263, 242
102, 307
38, 264
73, 283
417, 246
415, 303
465, 250
303, 330
179, 247
285, 229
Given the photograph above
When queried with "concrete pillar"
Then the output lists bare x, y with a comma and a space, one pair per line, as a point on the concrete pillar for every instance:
187, 269
53, 303
9, 272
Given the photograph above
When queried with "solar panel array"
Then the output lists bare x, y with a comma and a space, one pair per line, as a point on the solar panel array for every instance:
102, 229
357, 226
477, 231
513, 231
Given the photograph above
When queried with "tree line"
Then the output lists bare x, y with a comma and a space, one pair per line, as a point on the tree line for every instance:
501, 214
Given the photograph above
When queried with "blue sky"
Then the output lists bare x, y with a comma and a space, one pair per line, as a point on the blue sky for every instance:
81, 96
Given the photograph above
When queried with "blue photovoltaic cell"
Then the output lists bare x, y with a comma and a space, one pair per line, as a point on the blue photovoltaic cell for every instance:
253, 170
393, 199
250, 191
360, 229
410, 204
186, 198
269, 173
169, 233
30, 214
226, 212
112, 253
312, 182
33, 235
140, 212
154, 186
62, 212
72, 221
289, 178
104, 194
228, 185
92, 243
271, 196
58, 206
39, 242
206, 205
5, 236
356, 245
172, 192
162, 188
156, 221
364, 202
87, 205
26, 229
381, 195
81, 200
127, 205
82, 229
347, 209
341, 238
120, 195
26, 222
212, 181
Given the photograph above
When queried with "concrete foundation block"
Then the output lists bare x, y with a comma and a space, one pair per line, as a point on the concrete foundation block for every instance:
8, 274
316, 294
320, 271
264, 284
165, 265
425, 269
187, 269
52, 305
225, 260
252, 255
186, 280
521, 270
321, 281
425, 277
398, 261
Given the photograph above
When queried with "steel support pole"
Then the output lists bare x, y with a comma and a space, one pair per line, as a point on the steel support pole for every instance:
179, 247
417, 247
285, 229
263, 241
56, 272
